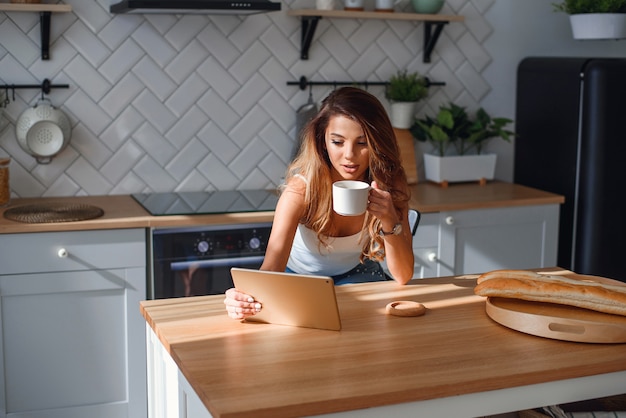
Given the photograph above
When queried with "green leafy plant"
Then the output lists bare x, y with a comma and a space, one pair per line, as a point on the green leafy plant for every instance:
406, 87
573, 7
452, 126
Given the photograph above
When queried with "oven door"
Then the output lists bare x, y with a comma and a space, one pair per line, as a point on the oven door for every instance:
197, 261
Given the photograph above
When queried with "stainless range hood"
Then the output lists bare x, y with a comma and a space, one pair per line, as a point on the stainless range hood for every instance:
195, 6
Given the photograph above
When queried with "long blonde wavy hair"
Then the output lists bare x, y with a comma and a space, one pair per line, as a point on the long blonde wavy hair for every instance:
312, 162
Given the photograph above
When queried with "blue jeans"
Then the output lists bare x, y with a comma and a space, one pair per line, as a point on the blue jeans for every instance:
369, 271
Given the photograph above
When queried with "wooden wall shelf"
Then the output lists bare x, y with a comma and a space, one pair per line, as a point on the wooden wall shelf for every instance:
433, 24
44, 10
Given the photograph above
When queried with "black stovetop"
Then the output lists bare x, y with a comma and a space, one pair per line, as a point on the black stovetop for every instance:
202, 203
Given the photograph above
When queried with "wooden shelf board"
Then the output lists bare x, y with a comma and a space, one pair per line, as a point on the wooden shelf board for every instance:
27, 7
375, 15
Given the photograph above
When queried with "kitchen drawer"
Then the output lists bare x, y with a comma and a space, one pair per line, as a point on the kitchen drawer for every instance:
72, 251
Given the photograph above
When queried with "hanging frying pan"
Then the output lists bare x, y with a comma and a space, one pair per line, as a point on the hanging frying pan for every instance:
304, 114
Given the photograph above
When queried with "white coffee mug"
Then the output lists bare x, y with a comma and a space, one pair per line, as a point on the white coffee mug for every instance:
350, 197
353, 4
386, 5
324, 4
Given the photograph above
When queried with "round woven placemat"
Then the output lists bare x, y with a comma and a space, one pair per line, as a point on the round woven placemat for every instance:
53, 212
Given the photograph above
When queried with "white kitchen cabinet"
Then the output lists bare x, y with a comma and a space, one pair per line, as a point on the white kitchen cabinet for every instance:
479, 240
425, 246
170, 394
73, 339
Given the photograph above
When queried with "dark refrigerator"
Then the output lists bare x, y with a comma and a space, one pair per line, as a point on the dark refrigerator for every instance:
571, 126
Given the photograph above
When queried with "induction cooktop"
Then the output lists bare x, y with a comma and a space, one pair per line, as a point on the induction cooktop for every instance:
202, 203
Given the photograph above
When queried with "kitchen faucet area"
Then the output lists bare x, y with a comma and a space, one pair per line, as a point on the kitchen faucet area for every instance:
144, 149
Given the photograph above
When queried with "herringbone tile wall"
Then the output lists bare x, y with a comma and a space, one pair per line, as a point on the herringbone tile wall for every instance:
200, 102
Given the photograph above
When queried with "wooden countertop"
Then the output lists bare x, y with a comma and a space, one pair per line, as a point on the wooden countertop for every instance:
243, 369
122, 211
429, 197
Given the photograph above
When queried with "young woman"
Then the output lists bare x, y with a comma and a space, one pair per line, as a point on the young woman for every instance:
351, 138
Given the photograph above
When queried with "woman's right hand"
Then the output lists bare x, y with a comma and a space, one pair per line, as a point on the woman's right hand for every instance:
240, 305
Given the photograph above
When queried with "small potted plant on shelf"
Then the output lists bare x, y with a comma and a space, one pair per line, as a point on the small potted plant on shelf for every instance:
404, 91
458, 142
595, 19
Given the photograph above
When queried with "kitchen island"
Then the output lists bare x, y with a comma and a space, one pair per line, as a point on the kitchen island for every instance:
453, 361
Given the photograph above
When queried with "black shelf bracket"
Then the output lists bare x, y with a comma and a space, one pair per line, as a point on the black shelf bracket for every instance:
431, 36
44, 22
309, 24
432, 31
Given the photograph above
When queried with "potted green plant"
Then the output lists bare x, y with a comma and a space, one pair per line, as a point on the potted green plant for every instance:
595, 19
458, 142
404, 91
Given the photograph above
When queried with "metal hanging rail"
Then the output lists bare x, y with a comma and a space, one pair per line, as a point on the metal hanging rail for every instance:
45, 87
303, 83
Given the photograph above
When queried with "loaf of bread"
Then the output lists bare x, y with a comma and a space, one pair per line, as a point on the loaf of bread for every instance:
527, 285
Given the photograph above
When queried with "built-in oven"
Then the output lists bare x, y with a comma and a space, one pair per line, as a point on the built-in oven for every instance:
196, 260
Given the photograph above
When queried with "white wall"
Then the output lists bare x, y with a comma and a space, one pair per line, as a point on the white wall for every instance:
164, 103
174, 103
522, 29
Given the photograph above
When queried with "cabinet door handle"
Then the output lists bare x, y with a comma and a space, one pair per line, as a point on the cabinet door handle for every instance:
62, 253
432, 257
450, 220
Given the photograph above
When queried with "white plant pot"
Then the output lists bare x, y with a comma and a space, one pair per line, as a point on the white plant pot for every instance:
598, 25
402, 114
459, 168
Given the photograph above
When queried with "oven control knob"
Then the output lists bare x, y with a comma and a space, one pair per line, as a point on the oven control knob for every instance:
203, 246
254, 243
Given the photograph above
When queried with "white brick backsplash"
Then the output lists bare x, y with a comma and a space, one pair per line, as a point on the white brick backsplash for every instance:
472, 81
188, 157
154, 175
88, 178
185, 30
88, 112
155, 111
219, 110
62, 186
84, 74
211, 70
87, 43
186, 61
125, 124
475, 53
121, 95
90, 147
121, 61
186, 95
154, 144
21, 46
47, 174
218, 142
186, 127
122, 162
93, 16
154, 44
200, 102
218, 173
118, 30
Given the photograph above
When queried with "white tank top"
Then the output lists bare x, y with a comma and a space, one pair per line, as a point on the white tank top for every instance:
308, 257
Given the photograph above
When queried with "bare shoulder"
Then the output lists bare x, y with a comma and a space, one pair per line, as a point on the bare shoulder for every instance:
292, 198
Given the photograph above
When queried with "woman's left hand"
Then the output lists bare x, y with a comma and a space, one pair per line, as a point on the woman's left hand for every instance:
381, 206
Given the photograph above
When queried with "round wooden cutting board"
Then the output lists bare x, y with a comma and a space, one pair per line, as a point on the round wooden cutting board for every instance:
555, 321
